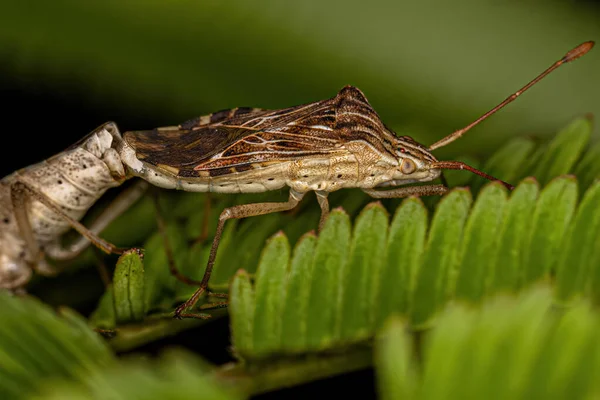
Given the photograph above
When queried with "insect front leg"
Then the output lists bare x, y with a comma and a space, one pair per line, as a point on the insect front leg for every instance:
236, 212
429, 190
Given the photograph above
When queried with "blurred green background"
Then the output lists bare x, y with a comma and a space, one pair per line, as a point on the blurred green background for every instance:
427, 67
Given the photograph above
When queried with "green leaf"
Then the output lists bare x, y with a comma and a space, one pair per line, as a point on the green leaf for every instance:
563, 356
241, 311
480, 243
128, 288
551, 217
564, 150
406, 241
575, 260
588, 169
531, 163
175, 375
324, 301
243, 250
297, 294
270, 284
103, 317
442, 357
305, 221
439, 258
37, 343
358, 281
507, 265
594, 286
159, 282
396, 373
507, 162
511, 330
510, 347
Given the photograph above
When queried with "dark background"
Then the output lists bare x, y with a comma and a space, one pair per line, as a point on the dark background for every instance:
69, 67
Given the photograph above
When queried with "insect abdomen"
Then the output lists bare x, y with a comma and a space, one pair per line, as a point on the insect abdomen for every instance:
73, 180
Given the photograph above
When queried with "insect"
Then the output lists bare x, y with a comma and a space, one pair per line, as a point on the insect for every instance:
39, 203
322, 147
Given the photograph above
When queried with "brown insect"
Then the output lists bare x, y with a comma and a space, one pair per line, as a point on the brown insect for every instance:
322, 147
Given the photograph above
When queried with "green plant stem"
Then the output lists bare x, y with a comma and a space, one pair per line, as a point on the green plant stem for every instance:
261, 378
134, 335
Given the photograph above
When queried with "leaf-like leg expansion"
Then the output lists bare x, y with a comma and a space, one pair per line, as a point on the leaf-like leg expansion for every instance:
324, 204
236, 212
429, 190
118, 206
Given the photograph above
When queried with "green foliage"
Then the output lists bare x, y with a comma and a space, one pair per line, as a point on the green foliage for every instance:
579, 252
551, 215
128, 288
563, 151
509, 348
38, 344
360, 277
310, 310
435, 268
45, 355
176, 375
455, 263
478, 244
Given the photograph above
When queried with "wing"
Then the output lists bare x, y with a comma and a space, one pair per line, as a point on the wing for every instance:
241, 138
233, 139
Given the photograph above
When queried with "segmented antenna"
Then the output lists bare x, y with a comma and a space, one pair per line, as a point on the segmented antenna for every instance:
570, 56
461, 165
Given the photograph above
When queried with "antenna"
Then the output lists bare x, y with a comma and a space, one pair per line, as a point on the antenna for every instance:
461, 165
570, 56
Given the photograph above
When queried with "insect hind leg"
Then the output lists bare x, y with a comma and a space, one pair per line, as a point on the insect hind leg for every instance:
21, 194
236, 212
113, 210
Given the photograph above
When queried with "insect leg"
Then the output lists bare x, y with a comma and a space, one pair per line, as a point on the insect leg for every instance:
429, 190
236, 212
21, 192
324, 204
120, 204
162, 229
18, 197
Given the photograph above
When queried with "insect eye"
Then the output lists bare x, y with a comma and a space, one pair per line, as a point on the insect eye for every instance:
408, 166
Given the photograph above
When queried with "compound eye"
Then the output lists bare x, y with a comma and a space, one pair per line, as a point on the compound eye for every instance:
408, 166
